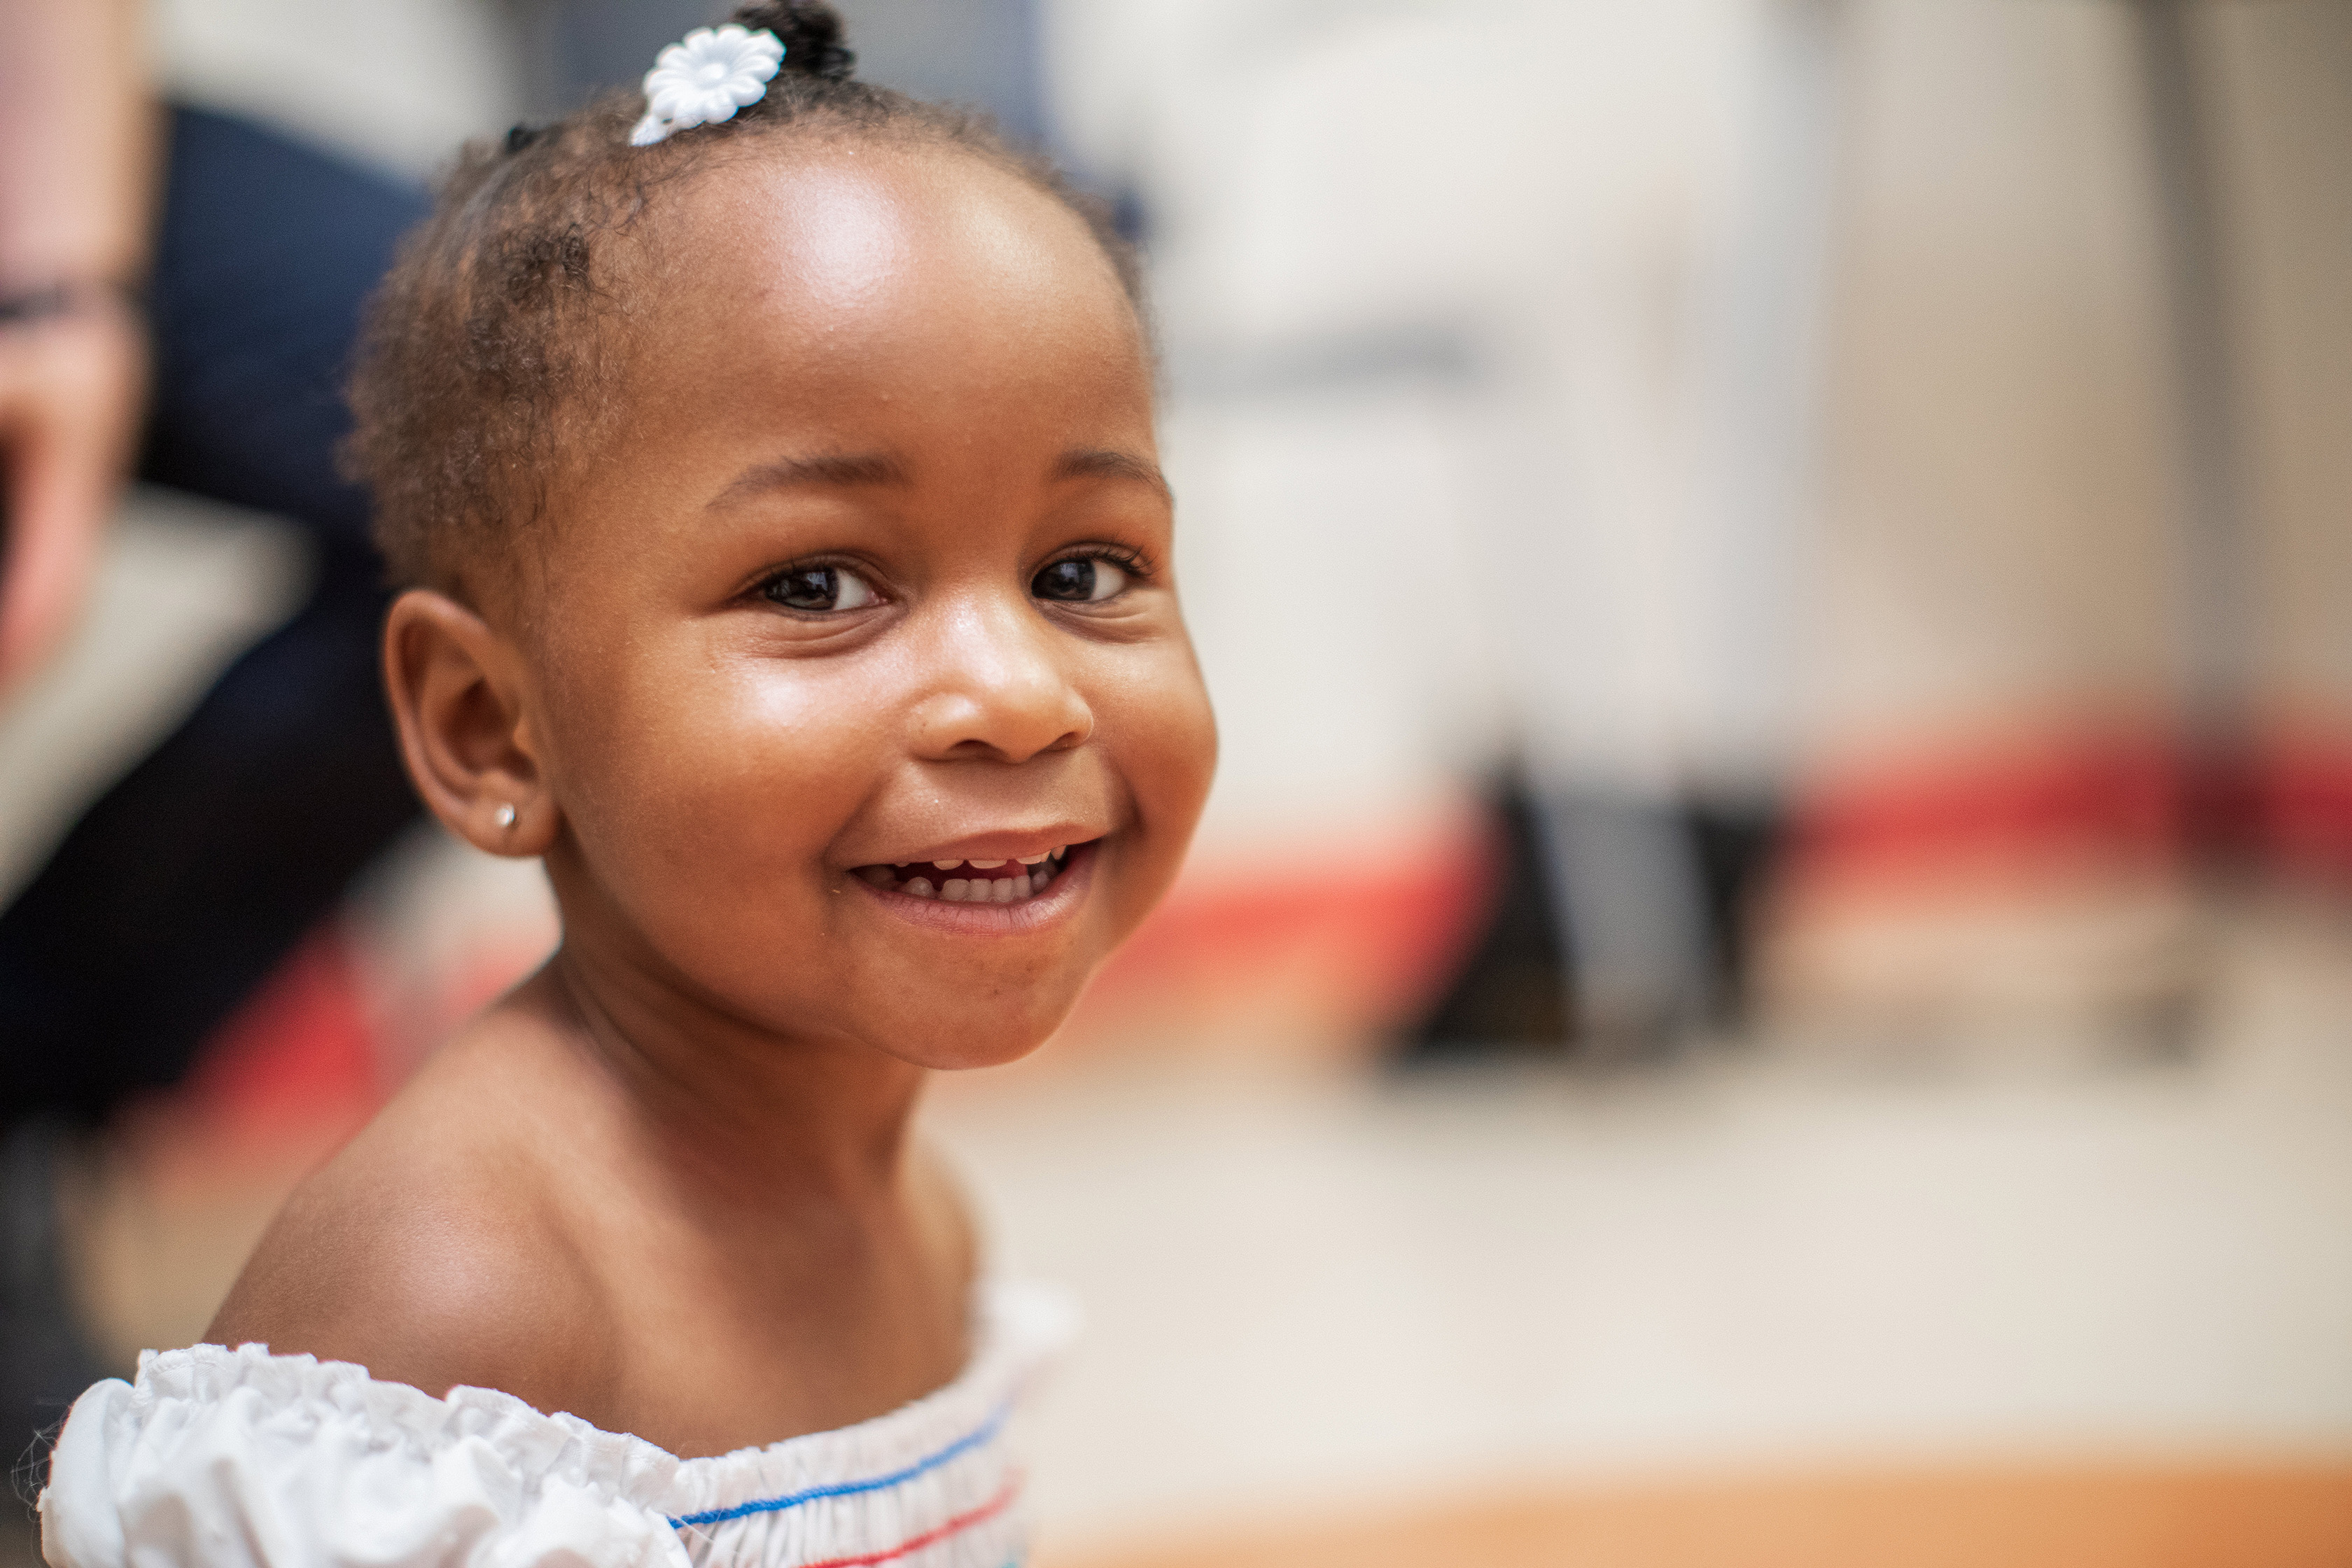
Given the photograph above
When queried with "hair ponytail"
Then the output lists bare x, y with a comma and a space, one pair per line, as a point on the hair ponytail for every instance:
810, 31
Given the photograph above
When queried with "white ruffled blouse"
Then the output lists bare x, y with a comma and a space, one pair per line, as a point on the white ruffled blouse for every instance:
238, 1458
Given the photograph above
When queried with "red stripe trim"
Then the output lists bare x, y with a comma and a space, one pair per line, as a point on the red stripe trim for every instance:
960, 1522
2124, 797
2306, 803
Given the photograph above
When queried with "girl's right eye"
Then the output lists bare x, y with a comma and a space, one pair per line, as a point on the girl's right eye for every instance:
816, 590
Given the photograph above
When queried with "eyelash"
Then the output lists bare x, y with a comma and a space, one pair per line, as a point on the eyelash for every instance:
1132, 561
762, 589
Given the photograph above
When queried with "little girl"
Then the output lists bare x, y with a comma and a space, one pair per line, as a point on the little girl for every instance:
770, 461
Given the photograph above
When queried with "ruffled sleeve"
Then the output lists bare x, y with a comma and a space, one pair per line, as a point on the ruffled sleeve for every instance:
222, 1459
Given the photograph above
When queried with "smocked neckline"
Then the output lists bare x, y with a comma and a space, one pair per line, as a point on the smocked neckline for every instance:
1011, 1321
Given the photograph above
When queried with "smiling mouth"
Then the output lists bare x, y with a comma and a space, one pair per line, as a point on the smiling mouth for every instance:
973, 881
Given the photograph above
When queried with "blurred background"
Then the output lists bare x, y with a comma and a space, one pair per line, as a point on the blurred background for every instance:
1769, 978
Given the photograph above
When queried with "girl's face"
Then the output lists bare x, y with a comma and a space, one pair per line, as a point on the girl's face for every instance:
867, 603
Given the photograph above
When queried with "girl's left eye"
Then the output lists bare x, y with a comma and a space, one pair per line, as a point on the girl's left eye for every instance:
1083, 581
817, 589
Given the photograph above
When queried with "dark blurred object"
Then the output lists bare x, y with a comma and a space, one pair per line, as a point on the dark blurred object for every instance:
1520, 989
47, 1364
191, 880
1736, 844
2220, 792
1513, 992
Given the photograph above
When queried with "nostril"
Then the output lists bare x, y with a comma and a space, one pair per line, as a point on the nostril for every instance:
1007, 718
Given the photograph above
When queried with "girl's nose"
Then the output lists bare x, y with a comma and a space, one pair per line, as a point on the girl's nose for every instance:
1005, 691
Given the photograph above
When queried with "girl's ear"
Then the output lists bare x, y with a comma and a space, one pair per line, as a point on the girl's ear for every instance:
458, 694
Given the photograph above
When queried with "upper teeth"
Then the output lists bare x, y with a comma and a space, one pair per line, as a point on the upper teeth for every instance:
973, 887
1055, 853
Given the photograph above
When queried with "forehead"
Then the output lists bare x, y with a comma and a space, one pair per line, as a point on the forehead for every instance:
839, 261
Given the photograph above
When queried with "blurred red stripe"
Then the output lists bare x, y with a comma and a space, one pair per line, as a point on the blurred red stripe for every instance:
2119, 797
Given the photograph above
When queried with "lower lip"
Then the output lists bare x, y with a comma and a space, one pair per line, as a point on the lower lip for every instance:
1055, 904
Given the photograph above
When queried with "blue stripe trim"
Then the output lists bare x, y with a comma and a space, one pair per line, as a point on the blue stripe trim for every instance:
963, 1444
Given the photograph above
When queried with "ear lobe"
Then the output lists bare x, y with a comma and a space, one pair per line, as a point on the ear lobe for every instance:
459, 699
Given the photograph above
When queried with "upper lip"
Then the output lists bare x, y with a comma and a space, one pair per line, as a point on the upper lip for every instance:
1004, 845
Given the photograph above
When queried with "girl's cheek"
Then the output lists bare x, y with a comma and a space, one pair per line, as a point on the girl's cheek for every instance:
1187, 706
1180, 739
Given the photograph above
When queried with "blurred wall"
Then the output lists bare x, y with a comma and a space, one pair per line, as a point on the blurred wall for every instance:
399, 83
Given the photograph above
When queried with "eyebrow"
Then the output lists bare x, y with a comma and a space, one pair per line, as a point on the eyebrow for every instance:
1087, 464
788, 473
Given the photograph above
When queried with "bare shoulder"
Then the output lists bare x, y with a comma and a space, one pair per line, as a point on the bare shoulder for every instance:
431, 1251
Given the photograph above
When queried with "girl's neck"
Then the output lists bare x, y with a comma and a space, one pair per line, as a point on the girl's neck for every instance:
755, 1118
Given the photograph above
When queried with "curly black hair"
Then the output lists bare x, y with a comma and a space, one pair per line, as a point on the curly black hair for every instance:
491, 337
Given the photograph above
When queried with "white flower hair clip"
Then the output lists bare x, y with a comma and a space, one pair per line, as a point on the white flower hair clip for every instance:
705, 78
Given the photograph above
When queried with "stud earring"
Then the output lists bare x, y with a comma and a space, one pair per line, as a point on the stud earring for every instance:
505, 818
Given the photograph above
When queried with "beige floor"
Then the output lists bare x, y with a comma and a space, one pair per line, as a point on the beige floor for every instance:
1321, 1298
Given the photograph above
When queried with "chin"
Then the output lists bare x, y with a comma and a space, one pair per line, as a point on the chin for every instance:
953, 1045
972, 1061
